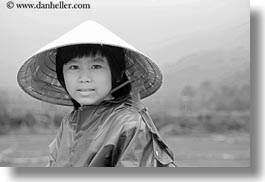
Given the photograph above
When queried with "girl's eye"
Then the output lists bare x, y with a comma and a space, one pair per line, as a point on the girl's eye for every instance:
73, 67
96, 66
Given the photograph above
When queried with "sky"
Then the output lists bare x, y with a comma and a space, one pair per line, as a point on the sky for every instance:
146, 24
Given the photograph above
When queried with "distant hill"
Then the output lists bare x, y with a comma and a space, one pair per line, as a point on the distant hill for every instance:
220, 56
209, 65
217, 67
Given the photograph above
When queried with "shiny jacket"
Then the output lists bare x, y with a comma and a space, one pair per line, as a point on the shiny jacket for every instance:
109, 135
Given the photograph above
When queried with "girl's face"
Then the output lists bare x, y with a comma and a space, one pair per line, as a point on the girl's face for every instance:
88, 79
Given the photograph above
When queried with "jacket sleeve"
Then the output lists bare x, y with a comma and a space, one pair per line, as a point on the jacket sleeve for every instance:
54, 145
139, 147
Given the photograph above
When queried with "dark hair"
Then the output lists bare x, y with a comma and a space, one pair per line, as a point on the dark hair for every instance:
115, 57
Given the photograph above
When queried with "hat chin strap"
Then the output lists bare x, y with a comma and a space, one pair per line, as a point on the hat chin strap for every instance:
121, 85
124, 83
134, 97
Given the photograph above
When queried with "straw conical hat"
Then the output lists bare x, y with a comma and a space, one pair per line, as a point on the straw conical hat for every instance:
37, 76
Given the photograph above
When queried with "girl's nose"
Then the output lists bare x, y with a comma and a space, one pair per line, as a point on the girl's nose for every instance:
85, 77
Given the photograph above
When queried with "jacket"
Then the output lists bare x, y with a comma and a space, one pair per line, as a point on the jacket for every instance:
109, 135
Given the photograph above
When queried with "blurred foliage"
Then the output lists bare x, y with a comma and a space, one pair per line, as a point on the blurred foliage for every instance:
45, 119
212, 122
210, 97
206, 108
32, 122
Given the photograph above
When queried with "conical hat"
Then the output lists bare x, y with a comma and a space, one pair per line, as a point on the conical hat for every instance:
37, 76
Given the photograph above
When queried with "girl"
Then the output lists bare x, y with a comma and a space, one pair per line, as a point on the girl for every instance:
103, 78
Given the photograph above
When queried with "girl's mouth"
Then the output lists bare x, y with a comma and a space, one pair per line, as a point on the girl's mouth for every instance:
85, 92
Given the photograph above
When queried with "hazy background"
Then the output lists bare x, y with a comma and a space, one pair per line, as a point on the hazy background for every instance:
201, 46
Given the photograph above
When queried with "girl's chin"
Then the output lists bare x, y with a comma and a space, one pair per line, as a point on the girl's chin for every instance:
84, 102
88, 100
